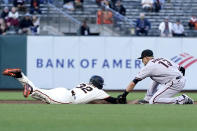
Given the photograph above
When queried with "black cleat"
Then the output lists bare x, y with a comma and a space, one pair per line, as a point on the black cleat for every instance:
187, 99
143, 101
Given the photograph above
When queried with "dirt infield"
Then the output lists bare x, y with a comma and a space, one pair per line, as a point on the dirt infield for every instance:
40, 102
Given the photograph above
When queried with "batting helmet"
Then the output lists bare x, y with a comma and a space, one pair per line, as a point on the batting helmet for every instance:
97, 81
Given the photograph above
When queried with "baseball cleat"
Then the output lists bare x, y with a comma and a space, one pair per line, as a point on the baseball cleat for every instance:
27, 90
187, 99
12, 72
143, 101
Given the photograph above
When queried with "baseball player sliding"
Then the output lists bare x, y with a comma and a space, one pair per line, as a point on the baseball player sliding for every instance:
163, 72
84, 93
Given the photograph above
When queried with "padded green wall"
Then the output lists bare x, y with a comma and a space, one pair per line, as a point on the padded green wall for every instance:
13, 50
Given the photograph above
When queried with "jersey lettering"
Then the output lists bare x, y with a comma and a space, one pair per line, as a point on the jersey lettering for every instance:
162, 61
85, 88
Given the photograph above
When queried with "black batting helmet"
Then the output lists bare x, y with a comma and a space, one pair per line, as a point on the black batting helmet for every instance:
97, 81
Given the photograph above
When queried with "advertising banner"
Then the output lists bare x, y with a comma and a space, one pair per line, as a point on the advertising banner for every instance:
67, 61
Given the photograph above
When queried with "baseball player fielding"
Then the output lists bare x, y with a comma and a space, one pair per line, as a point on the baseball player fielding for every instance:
167, 80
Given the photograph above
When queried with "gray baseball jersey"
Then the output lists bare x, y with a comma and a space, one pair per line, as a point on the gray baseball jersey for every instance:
166, 73
159, 70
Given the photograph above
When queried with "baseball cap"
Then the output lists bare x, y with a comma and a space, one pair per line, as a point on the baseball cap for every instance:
146, 53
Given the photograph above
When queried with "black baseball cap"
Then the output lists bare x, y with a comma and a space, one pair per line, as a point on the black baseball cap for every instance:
146, 53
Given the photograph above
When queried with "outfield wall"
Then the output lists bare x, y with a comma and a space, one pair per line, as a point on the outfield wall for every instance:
66, 61
12, 55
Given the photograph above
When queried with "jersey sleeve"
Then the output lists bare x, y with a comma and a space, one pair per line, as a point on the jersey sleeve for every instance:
144, 72
102, 94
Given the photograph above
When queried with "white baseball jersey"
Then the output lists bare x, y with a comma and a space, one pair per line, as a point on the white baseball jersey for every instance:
160, 70
85, 93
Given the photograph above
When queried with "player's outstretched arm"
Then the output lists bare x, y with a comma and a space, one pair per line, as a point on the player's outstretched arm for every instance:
112, 100
108, 100
130, 86
122, 98
98, 102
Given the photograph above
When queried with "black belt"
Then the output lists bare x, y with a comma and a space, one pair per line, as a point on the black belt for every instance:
178, 77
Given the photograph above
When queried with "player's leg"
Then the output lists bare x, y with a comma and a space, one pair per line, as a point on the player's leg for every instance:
150, 92
53, 96
166, 92
19, 75
50, 96
165, 96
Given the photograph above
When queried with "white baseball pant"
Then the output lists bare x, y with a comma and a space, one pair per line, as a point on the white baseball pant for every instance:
52, 96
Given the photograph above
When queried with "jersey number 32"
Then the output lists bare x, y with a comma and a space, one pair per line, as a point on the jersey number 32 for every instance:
85, 88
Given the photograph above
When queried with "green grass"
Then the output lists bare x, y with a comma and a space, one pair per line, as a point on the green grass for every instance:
132, 96
19, 95
13, 96
38, 117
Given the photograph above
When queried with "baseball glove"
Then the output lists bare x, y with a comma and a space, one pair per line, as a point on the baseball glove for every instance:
122, 99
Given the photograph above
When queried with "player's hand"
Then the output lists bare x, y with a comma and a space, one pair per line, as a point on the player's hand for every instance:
122, 99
